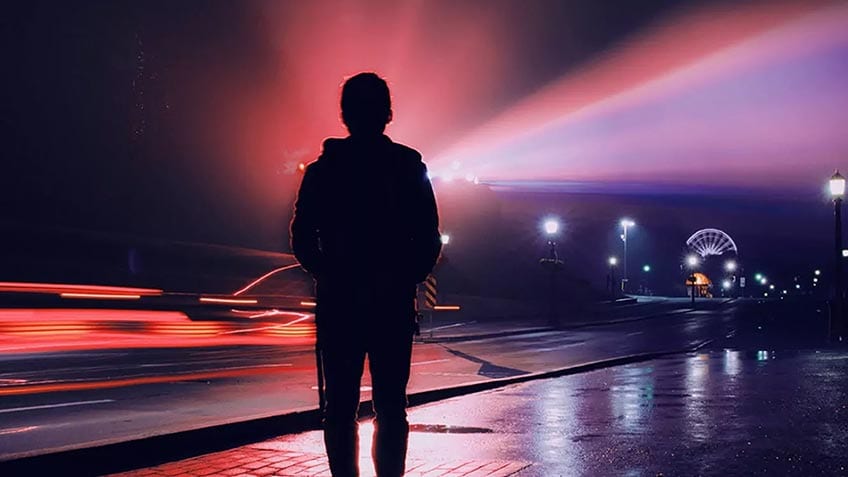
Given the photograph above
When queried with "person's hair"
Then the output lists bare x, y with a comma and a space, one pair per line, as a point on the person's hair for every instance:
366, 104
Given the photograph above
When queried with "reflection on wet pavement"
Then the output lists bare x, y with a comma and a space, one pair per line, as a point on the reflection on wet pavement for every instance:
724, 412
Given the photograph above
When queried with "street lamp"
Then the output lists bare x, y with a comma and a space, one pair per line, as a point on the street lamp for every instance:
730, 266
625, 224
551, 227
445, 238
692, 262
837, 192
613, 262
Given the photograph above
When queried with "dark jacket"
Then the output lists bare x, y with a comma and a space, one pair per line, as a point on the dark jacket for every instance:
366, 217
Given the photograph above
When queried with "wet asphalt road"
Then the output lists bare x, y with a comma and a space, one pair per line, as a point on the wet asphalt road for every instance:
258, 381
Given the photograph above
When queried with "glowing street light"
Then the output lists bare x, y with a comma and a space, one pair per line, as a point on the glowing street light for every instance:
692, 261
764, 281
613, 261
445, 238
551, 226
625, 224
730, 266
758, 277
817, 272
726, 284
646, 268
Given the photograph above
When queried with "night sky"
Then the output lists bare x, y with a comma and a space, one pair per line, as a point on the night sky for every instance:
187, 120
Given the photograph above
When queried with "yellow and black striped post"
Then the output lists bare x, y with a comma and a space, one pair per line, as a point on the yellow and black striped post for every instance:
428, 299
430, 292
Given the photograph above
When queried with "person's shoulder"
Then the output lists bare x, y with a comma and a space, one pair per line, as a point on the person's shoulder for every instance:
332, 146
406, 152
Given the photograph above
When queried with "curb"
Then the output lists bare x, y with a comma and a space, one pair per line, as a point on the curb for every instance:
157, 450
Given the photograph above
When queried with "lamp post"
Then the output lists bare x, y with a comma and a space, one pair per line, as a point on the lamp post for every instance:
730, 267
625, 224
837, 191
613, 262
692, 263
553, 263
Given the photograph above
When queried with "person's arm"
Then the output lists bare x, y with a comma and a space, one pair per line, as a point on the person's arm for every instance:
427, 243
305, 241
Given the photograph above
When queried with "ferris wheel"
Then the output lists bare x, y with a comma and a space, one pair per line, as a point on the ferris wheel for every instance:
706, 242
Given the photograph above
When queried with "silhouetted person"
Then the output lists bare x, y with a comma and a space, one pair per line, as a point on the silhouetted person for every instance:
366, 227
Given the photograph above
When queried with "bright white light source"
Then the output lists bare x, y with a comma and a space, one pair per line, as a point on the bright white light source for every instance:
797, 286
613, 261
692, 261
551, 226
771, 287
445, 239
726, 284
627, 223
845, 252
730, 266
817, 272
837, 185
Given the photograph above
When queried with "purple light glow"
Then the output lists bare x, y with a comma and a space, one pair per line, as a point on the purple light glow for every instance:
747, 114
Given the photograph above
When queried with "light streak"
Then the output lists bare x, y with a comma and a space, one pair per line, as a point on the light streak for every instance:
308, 303
52, 315
104, 296
263, 277
229, 301
60, 288
446, 307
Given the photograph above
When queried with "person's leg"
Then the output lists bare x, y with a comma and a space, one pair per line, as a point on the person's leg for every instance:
343, 360
389, 359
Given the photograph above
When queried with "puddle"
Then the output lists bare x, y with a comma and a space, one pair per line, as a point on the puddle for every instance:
443, 429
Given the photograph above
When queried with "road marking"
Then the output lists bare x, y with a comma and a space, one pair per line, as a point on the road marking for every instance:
430, 362
449, 326
17, 430
81, 385
51, 406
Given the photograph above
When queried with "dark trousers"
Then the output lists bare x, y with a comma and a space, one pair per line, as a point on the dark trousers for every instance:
344, 343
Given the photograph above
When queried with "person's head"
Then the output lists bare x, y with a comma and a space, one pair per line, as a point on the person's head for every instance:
366, 104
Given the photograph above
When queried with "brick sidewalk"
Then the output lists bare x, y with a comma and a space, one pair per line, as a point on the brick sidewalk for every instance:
256, 461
